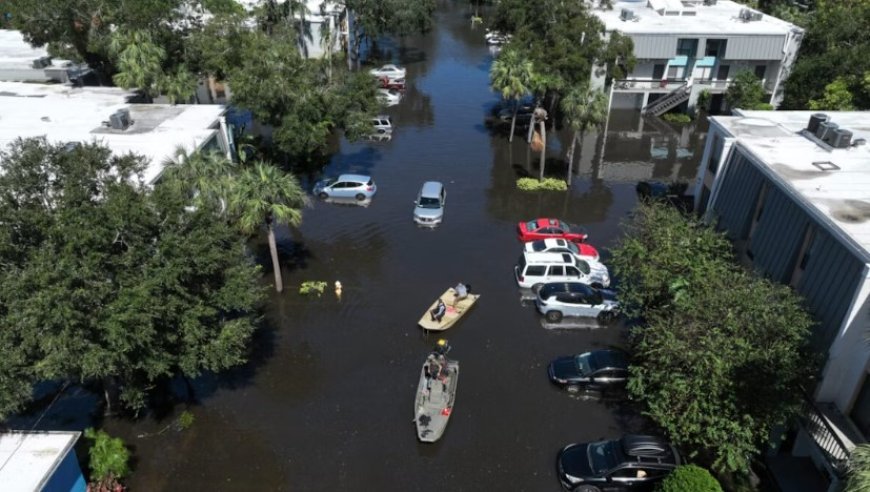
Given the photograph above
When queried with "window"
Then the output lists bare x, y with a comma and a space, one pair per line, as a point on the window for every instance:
572, 272
687, 47
658, 72
715, 47
715, 153
557, 271
756, 216
675, 72
803, 256
760, 70
536, 271
860, 413
722, 74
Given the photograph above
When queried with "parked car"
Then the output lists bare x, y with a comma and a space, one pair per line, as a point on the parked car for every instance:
544, 227
429, 205
583, 251
382, 124
346, 186
388, 83
524, 113
556, 300
595, 370
633, 462
388, 70
390, 97
534, 270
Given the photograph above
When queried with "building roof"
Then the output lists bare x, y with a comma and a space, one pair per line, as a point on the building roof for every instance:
16, 58
695, 18
28, 459
841, 196
64, 114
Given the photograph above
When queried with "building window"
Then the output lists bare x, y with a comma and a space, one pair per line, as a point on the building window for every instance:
860, 413
715, 47
658, 72
760, 70
675, 73
687, 47
715, 154
723, 72
803, 256
756, 217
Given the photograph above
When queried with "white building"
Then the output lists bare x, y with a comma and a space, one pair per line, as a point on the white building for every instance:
792, 190
21, 62
64, 114
686, 46
39, 462
319, 15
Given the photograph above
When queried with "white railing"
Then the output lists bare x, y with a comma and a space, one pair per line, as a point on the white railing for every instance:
648, 84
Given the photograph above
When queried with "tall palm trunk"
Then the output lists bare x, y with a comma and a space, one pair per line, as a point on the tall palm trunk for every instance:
273, 249
571, 159
544, 150
514, 121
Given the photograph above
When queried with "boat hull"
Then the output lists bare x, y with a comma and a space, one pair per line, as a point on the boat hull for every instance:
434, 402
454, 312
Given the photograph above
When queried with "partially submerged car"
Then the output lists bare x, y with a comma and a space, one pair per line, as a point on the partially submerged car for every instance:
355, 186
559, 299
429, 205
597, 370
544, 227
388, 70
633, 462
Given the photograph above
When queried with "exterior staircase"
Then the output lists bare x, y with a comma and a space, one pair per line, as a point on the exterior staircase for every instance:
664, 104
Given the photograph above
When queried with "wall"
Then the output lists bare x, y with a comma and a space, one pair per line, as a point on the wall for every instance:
67, 477
756, 47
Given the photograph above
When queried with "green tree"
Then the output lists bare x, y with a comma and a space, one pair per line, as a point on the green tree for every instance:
105, 281
689, 478
376, 18
583, 108
511, 75
745, 92
837, 97
859, 469
108, 456
719, 361
139, 61
264, 195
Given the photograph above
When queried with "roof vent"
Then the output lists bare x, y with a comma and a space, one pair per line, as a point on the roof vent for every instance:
626, 15
120, 120
815, 120
859, 141
840, 139
825, 128
826, 166
41, 62
747, 15
755, 16
709, 2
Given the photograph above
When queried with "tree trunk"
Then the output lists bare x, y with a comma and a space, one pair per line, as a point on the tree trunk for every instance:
514, 122
110, 394
544, 150
568, 180
273, 249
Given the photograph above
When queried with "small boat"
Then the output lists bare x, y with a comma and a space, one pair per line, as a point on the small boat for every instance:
436, 394
454, 312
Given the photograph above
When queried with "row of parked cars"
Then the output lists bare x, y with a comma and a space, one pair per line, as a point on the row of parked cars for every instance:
568, 279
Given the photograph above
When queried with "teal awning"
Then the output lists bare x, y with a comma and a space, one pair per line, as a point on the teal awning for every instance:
678, 61
707, 61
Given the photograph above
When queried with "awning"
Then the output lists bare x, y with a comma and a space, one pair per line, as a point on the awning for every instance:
678, 61
707, 61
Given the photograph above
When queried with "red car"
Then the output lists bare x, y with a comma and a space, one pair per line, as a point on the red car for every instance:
388, 83
544, 228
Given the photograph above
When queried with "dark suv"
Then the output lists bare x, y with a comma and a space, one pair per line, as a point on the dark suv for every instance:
631, 463
597, 370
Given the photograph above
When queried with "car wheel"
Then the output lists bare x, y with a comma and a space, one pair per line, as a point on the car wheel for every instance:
587, 488
360, 197
537, 288
323, 195
606, 317
554, 316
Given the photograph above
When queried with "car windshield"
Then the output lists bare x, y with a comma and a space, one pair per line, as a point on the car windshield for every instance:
532, 225
582, 266
329, 181
572, 247
539, 245
603, 456
583, 362
426, 202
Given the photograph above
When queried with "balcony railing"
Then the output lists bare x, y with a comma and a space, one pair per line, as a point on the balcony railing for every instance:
825, 437
714, 84
648, 84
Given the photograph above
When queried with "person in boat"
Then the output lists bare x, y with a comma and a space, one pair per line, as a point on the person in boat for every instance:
462, 291
438, 312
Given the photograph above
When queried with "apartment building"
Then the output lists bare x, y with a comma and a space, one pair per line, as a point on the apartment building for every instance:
792, 190
684, 47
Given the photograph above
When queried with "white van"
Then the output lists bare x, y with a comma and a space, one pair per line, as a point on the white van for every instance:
429, 206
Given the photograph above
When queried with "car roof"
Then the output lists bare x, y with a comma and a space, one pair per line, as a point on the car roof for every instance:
431, 189
648, 449
609, 359
535, 257
382, 117
354, 177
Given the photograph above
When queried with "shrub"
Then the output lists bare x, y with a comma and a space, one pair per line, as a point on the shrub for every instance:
109, 458
548, 184
704, 99
763, 107
678, 118
312, 287
689, 478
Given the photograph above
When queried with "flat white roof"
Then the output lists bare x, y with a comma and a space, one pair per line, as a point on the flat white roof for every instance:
27, 459
15, 52
840, 195
65, 114
695, 18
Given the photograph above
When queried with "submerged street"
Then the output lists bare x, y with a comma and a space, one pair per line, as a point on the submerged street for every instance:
326, 402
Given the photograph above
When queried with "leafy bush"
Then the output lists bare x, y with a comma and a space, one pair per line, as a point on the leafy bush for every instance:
548, 184
678, 118
763, 107
185, 420
704, 99
312, 287
109, 458
689, 478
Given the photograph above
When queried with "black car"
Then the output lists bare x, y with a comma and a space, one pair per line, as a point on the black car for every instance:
631, 463
596, 370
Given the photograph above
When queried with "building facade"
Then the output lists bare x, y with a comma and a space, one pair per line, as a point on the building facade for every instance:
685, 47
792, 191
40, 462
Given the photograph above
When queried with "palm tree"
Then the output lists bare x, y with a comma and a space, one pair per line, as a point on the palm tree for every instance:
511, 75
584, 108
859, 469
327, 40
203, 176
260, 194
139, 61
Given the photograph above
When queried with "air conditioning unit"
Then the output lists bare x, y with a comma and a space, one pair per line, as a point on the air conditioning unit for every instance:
41, 62
745, 15
826, 131
815, 120
709, 2
120, 120
626, 15
755, 16
841, 138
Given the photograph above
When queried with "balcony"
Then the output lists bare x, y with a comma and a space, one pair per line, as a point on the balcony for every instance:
647, 85
833, 434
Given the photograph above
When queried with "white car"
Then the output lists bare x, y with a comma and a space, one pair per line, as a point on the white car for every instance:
389, 97
534, 270
582, 251
390, 71
382, 124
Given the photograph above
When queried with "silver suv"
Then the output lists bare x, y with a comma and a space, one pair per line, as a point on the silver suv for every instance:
429, 206
346, 186
559, 299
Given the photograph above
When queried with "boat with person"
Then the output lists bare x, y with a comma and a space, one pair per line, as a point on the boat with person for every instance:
454, 305
436, 393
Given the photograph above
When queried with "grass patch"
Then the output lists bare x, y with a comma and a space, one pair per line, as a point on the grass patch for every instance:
548, 184
312, 287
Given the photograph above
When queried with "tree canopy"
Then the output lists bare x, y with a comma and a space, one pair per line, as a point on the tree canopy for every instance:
746, 92
718, 361
102, 280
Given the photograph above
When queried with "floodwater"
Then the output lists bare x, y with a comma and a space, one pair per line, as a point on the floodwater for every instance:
327, 400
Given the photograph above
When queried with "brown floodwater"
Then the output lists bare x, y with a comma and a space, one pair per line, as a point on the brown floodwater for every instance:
327, 400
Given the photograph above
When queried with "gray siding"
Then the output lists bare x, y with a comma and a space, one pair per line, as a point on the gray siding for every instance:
778, 236
737, 196
651, 46
754, 48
